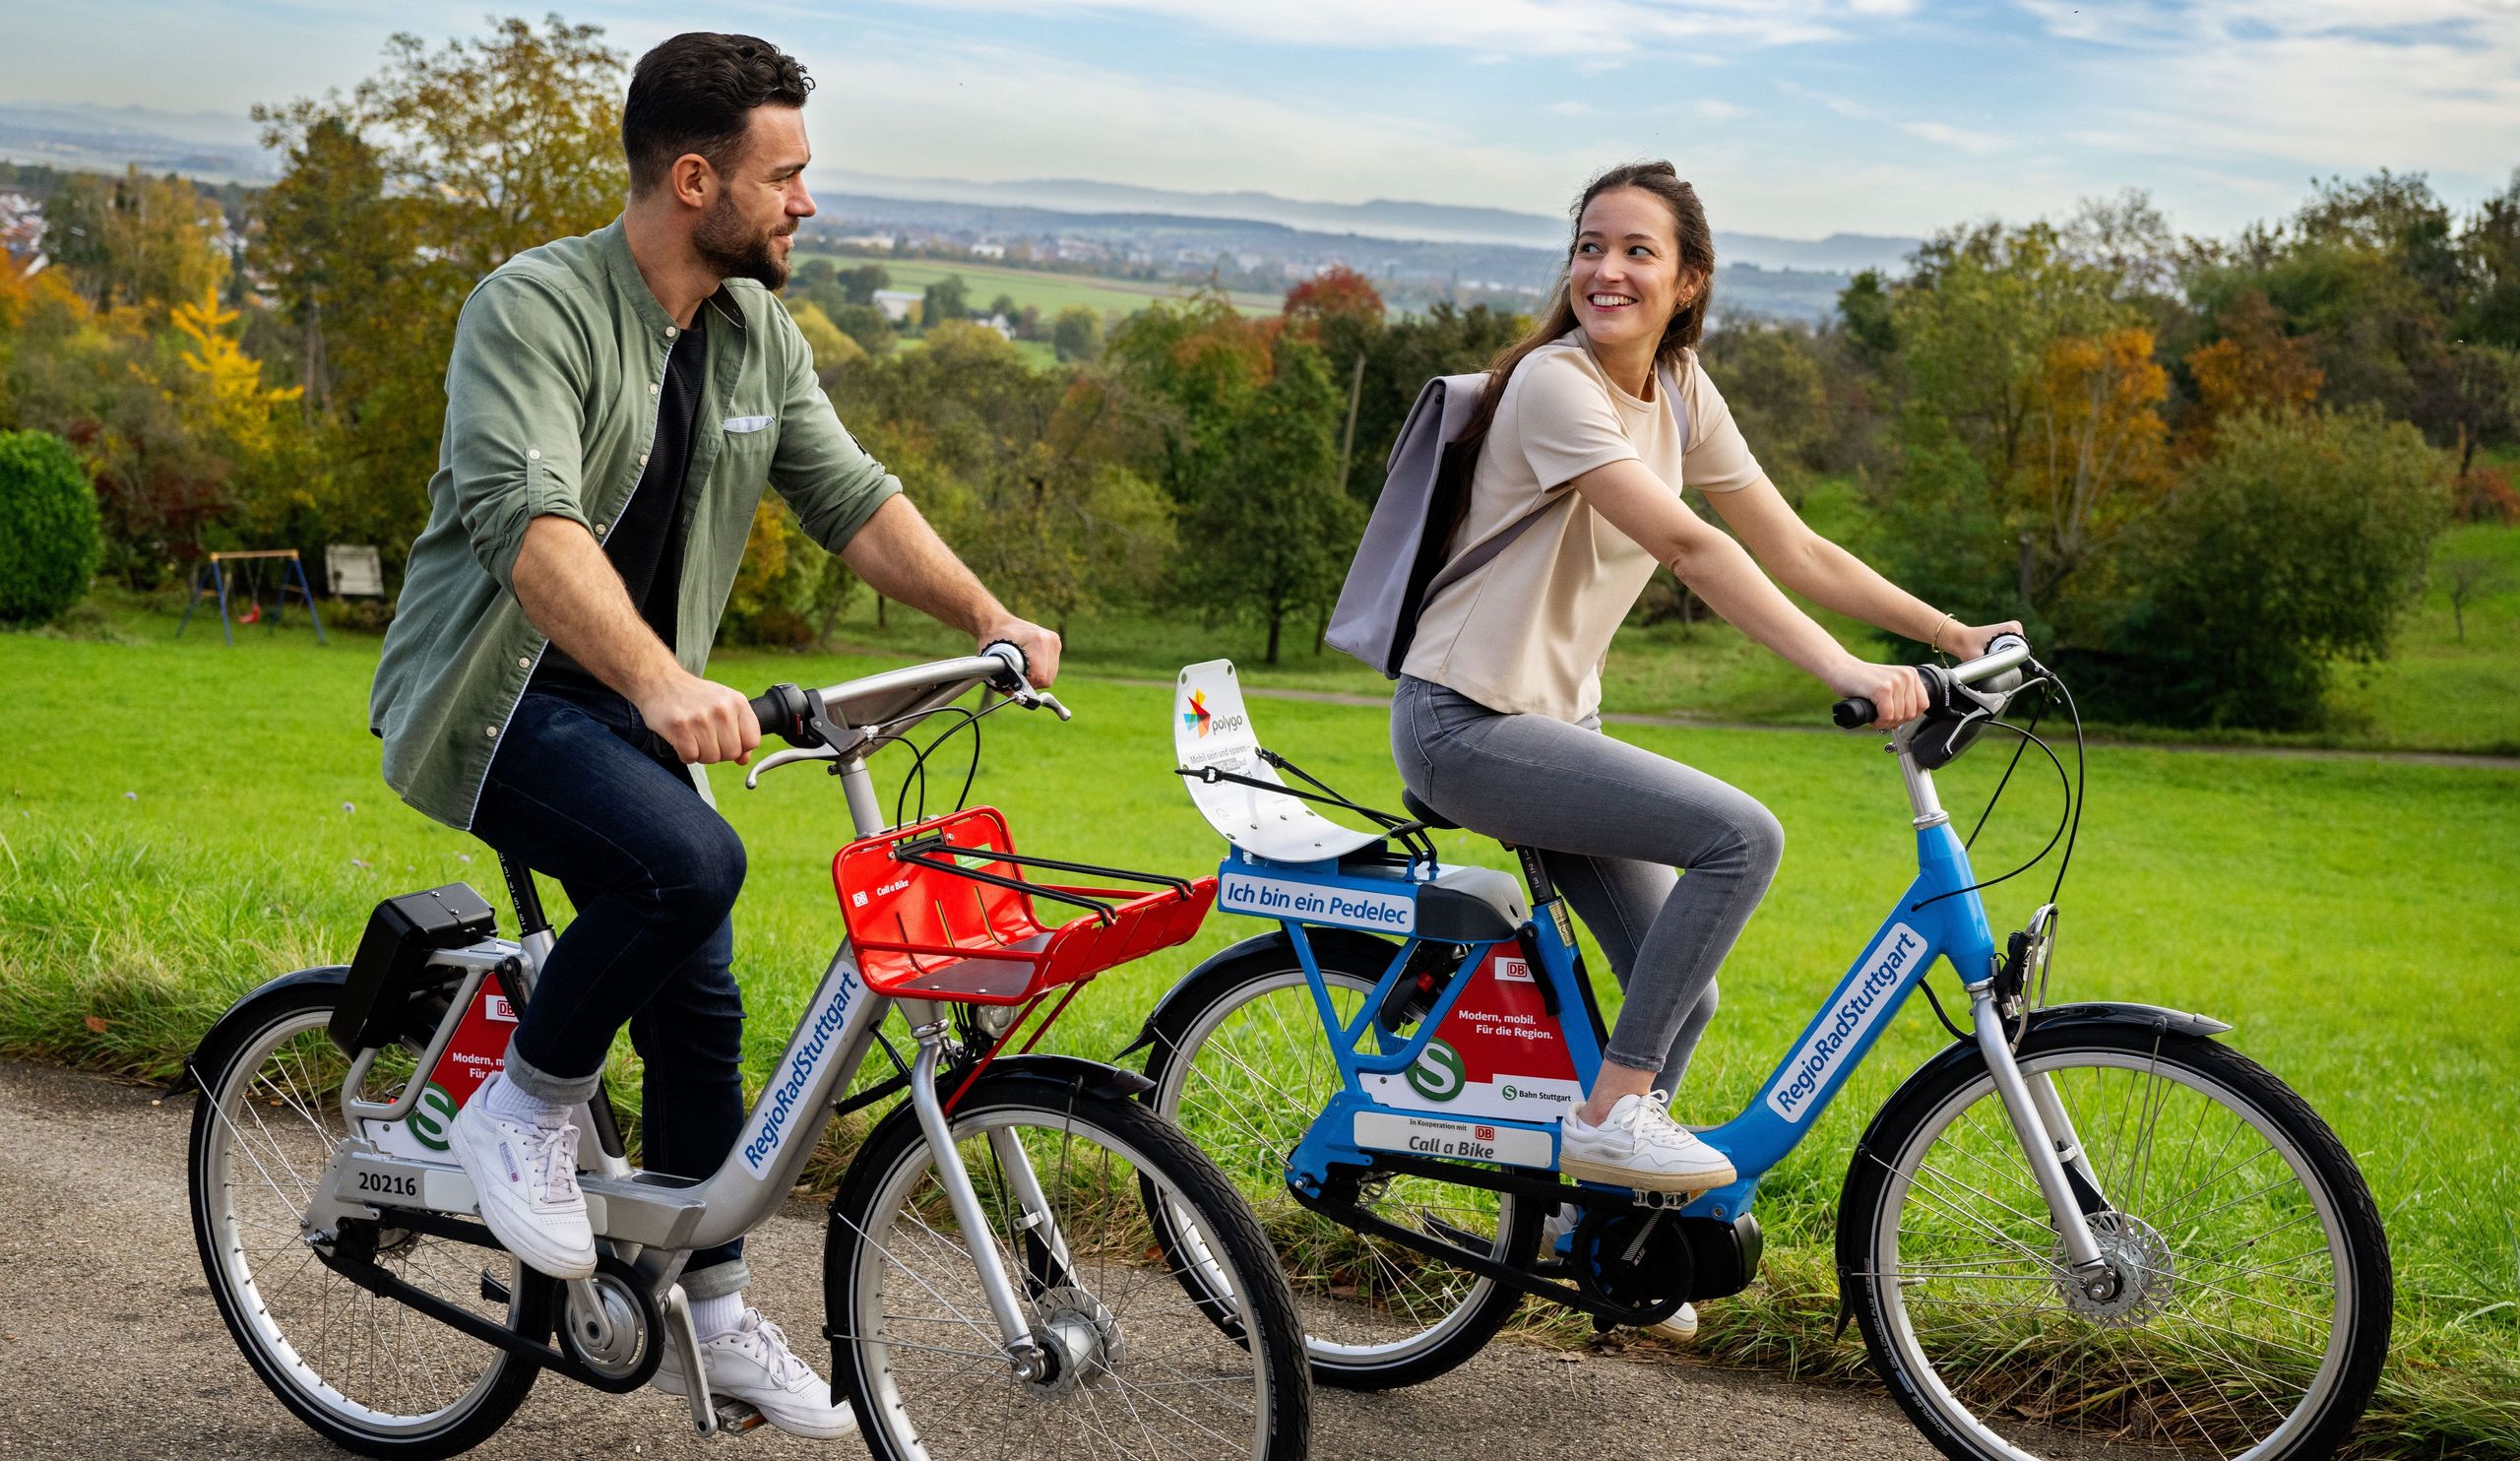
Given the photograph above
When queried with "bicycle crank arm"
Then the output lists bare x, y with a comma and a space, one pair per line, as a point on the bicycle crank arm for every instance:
368, 1275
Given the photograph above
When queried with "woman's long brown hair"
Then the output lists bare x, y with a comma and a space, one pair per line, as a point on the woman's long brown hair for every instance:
1697, 254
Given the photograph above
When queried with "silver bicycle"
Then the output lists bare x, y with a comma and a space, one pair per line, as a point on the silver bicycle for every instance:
992, 1280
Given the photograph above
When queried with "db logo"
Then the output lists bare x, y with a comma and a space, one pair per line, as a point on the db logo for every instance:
496, 1007
857, 900
1483, 1134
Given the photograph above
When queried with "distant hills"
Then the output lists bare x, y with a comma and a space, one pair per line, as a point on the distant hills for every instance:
213, 146
1839, 253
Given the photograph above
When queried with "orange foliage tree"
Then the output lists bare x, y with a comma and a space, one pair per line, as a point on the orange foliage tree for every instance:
2099, 403
2255, 366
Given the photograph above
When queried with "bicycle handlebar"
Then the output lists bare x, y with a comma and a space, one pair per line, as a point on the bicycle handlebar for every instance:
2004, 652
787, 711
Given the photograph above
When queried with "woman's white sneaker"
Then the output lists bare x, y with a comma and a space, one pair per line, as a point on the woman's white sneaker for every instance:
1639, 1145
525, 1177
1679, 1328
752, 1362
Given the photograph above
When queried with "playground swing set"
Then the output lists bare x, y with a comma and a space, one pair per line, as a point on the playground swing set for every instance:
290, 577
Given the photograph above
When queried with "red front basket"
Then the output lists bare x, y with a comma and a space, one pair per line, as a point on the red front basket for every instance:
925, 930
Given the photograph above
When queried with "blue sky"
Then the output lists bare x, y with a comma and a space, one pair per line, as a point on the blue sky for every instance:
1795, 117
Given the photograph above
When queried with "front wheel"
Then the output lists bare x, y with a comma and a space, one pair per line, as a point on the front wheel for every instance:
1067, 1176
366, 1373
2246, 1306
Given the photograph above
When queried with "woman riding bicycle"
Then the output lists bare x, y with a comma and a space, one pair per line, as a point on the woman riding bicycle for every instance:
1495, 724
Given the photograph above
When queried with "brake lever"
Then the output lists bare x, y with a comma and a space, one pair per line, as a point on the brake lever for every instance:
777, 759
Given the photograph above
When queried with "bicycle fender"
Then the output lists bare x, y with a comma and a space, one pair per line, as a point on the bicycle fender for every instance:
243, 1014
1116, 1082
2153, 1017
1274, 945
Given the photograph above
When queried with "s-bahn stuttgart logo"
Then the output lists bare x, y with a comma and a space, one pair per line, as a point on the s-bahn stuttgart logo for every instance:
1437, 1073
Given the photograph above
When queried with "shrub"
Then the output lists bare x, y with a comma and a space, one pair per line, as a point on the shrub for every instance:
49, 537
2296, 542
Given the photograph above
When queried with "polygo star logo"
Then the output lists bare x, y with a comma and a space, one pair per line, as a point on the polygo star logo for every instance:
1198, 714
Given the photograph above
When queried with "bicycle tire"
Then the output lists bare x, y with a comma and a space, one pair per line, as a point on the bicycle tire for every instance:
2130, 1365
866, 1238
1454, 1329
291, 1015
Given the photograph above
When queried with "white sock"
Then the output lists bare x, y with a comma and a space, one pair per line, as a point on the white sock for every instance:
711, 1317
509, 1103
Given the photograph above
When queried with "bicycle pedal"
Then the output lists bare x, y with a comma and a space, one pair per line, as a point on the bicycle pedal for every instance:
735, 1416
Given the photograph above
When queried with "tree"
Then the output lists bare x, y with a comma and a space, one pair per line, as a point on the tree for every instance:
1024, 471
2029, 431
831, 348
136, 241
1270, 540
1076, 333
2489, 253
860, 284
2255, 366
1400, 358
2468, 577
946, 299
1246, 442
398, 199
330, 244
1004, 304
2295, 541
1770, 376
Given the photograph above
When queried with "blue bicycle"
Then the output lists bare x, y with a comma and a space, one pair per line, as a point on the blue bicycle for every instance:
2074, 1223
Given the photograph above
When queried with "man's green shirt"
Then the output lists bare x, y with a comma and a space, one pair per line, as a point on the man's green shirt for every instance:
551, 399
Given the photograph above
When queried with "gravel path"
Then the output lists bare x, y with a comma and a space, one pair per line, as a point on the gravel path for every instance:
110, 1345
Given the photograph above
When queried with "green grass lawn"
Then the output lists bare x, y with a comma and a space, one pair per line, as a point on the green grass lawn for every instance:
1051, 292
179, 821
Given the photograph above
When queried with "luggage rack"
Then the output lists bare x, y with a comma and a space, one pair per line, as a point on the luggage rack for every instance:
941, 910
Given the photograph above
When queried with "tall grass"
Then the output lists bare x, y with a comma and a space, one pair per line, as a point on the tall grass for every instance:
182, 820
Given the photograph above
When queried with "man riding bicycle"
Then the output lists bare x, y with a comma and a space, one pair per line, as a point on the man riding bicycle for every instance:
615, 403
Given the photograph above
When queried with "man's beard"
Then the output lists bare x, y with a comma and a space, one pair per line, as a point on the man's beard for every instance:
728, 246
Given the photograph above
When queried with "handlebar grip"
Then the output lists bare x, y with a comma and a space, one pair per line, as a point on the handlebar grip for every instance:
1854, 713
781, 712
1010, 653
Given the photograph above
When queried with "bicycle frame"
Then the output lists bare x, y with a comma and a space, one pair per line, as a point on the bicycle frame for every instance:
653, 1221
1938, 916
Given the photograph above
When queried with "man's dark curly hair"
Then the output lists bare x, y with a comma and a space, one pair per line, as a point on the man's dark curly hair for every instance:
696, 93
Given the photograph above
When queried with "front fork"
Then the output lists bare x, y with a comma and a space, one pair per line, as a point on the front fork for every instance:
1023, 1350
2049, 1142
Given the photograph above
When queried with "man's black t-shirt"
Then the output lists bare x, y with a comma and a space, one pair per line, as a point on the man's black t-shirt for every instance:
646, 544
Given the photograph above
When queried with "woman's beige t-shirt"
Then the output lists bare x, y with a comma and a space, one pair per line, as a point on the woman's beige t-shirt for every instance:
1527, 633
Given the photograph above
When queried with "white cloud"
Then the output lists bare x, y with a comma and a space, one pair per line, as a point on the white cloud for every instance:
1976, 143
1718, 111
1609, 29
2319, 84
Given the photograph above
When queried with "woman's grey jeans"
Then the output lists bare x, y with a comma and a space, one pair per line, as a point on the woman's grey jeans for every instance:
1610, 822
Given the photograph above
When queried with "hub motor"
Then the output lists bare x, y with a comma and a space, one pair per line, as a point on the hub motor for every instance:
1077, 1334
2138, 1282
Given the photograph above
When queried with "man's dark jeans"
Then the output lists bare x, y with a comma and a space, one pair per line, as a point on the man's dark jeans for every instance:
582, 791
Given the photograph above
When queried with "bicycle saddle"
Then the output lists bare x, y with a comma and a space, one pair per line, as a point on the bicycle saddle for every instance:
1424, 814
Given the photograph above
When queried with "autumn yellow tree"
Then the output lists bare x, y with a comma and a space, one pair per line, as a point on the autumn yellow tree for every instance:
2098, 410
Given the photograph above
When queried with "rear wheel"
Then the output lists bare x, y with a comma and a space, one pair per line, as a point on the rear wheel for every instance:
1241, 1064
366, 1373
2247, 1307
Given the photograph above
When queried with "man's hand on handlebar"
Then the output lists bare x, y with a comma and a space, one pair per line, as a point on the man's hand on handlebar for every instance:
703, 721
1896, 691
1040, 648
1969, 641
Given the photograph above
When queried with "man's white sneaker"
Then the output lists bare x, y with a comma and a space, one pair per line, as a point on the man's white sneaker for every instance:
752, 1362
1639, 1145
525, 1178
